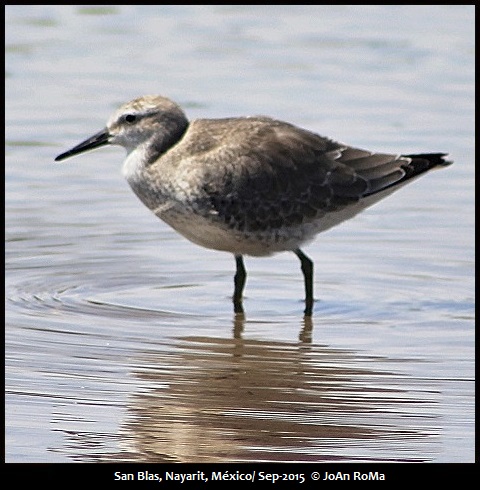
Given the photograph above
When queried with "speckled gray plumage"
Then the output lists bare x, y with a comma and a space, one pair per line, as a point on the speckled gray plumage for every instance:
273, 185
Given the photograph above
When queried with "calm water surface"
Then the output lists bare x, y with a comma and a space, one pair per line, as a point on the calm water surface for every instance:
120, 340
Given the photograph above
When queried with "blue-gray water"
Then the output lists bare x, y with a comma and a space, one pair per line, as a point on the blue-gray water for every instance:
120, 342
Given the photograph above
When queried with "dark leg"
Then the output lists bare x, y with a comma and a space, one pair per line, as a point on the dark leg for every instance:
307, 269
239, 281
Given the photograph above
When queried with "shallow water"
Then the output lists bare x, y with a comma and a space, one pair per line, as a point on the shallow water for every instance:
121, 343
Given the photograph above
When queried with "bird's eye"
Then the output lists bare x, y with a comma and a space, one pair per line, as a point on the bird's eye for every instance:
130, 118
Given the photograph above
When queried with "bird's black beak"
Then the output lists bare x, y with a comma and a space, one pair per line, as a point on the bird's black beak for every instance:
95, 141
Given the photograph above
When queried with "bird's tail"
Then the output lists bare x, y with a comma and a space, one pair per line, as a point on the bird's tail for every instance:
423, 162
